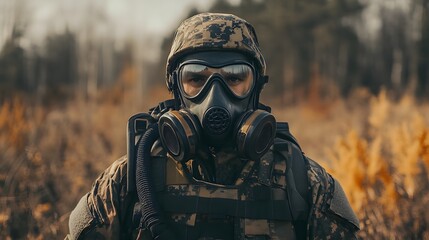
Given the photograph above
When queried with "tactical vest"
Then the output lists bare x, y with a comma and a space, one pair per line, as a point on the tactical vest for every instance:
265, 202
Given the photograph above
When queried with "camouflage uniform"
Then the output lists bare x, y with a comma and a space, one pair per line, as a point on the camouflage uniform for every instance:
110, 208
260, 201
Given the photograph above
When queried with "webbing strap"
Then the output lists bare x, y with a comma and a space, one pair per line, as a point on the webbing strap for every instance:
283, 133
265, 169
268, 209
299, 207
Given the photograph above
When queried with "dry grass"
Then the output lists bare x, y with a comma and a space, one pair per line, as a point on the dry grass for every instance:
50, 157
378, 149
384, 170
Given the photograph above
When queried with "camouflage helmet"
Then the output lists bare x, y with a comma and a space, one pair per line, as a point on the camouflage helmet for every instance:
214, 31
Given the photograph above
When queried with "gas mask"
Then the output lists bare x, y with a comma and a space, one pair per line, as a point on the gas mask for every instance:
217, 94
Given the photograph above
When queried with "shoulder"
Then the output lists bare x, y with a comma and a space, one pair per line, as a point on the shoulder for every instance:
318, 175
331, 213
94, 212
116, 171
109, 192
109, 188
112, 179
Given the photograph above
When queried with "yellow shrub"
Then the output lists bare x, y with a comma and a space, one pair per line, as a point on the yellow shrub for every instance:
384, 170
50, 157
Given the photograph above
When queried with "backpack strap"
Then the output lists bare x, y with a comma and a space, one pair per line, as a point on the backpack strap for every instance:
290, 177
137, 126
287, 148
284, 133
298, 162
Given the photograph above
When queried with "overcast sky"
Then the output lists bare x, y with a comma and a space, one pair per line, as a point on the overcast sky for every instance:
146, 20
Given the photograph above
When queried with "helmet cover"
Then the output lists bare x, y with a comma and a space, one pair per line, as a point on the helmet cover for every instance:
214, 31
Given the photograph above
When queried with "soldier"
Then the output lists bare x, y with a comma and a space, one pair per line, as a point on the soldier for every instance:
213, 163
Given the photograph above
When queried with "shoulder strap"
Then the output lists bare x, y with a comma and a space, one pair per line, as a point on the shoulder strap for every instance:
284, 133
287, 148
137, 126
298, 187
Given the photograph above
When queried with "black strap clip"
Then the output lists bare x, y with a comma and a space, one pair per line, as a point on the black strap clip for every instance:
163, 107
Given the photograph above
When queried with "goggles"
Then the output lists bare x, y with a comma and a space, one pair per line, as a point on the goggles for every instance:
194, 75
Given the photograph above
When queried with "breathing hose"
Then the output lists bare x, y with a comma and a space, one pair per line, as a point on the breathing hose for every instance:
152, 216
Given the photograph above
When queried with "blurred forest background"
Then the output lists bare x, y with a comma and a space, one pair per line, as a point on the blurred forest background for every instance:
351, 77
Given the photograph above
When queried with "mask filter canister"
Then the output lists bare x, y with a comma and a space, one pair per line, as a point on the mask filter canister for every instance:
256, 132
179, 134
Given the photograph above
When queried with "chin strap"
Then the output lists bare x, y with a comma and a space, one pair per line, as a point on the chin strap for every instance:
260, 85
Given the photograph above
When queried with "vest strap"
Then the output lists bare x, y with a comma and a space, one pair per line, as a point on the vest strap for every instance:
265, 169
298, 203
275, 209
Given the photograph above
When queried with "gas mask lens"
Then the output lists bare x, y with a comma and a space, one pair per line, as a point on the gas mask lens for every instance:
194, 77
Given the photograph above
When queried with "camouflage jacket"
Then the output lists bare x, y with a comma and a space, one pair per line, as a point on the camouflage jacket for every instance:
106, 212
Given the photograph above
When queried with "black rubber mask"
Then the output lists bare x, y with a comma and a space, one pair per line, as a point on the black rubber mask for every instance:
218, 109
215, 103
217, 112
